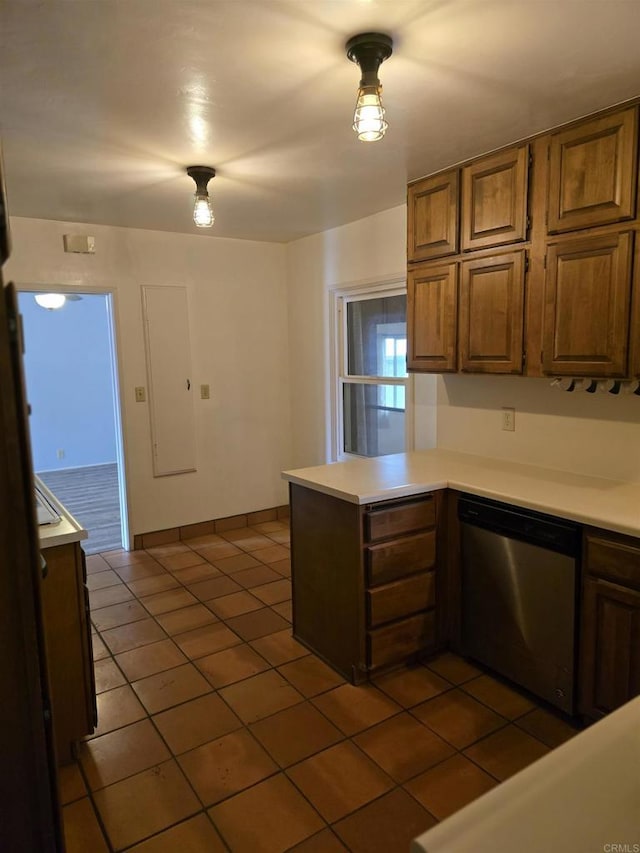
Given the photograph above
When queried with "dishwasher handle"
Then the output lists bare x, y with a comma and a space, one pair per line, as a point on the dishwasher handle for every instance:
547, 531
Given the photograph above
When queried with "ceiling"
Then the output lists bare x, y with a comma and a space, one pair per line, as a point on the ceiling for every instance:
104, 103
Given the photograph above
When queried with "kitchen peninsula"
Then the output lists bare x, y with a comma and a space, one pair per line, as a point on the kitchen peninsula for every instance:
67, 626
381, 536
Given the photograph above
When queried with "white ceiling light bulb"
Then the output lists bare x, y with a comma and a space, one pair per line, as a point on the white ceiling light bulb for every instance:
369, 50
202, 212
51, 301
368, 119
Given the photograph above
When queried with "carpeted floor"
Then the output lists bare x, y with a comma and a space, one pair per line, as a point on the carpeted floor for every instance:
91, 496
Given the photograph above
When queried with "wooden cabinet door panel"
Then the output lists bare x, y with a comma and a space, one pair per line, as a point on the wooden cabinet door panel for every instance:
634, 326
587, 306
491, 314
432, 217
610, 657
432, 293
67, 636
592, 172
494, 199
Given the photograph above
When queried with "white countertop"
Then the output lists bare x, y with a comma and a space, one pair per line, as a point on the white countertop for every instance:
68, 529
610, 504
583, 796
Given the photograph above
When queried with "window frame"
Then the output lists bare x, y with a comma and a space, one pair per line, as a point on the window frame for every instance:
339, 298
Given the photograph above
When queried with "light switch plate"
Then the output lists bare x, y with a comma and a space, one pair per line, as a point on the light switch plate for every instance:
204, 392
140, 394
508, 419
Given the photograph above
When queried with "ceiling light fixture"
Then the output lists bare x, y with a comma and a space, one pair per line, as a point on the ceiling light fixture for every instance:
51, 301
202, 212
369, 50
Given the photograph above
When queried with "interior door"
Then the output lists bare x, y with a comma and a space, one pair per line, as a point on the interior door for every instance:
28, 786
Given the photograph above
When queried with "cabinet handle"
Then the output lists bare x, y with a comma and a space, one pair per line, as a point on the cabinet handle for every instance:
43, 566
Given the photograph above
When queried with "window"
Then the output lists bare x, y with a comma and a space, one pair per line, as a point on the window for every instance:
372, 373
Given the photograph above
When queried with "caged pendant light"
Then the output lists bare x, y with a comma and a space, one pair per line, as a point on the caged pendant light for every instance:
202, 212
369, 50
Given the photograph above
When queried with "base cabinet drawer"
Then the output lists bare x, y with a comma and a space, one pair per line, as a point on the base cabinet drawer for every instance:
391, 560
614, 558
403, 518
399, 640
401, 598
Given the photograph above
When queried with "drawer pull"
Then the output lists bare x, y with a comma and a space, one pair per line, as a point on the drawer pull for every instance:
402, 518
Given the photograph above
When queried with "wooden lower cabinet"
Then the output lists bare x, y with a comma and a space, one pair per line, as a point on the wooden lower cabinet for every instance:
610, 623
364, 579
67, 630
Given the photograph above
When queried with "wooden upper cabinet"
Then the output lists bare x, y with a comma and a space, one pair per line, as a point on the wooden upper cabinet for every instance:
592, 172
634, 326
491, 314
431, 317
587, 305
494, 199
432, 217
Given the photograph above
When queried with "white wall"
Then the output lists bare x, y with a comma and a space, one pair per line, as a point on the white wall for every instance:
584, 433
596, 434
238, 320
369, 250
260, 332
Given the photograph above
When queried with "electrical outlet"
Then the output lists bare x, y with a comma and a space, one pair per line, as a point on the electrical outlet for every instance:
204, 392
60, 453
508, 419
140, 394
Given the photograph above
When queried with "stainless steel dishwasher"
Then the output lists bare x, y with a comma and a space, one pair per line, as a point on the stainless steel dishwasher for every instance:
519, 592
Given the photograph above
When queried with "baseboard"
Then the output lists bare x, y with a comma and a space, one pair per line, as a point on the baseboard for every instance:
204, 528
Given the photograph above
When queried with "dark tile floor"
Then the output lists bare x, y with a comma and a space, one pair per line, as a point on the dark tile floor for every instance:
219, 732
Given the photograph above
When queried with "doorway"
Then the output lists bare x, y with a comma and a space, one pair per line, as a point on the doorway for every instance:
71, 375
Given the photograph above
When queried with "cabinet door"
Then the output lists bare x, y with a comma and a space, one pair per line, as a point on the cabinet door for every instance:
634, 326
67, 637
494, 199
491, 314
587, 305
592, 172
432, 217
432, 294
610, 649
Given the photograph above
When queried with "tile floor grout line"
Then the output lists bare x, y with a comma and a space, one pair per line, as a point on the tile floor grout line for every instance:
94, 806
304, 699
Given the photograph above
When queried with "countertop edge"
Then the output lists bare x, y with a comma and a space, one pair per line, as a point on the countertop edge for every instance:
68, 530
587, 500
545, 806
